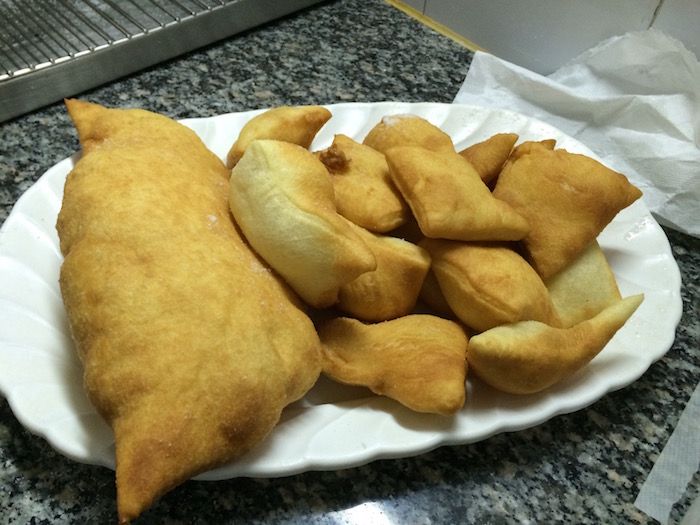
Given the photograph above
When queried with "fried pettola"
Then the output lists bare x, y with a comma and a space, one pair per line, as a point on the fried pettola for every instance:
487, 284
585, 287
191, 345
282, 199
567, 199
418, 360
448, 198
407, 130
488, 156
392, 289
296, 124
529, 356
364, 191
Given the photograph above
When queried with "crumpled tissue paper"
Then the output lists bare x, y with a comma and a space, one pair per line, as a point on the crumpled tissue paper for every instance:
633, 99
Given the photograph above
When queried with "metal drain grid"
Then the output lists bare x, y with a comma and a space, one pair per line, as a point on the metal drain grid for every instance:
35, 35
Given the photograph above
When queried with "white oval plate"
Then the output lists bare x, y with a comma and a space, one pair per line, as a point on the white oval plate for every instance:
333, 426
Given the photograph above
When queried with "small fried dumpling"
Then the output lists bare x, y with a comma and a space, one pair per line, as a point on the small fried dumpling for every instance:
393, 288
488, 156
282, 199
408, 130
448, 198
418, 360
566, 198
584, 288
296, 124
525, 148
529, 356
487, 285
364, 191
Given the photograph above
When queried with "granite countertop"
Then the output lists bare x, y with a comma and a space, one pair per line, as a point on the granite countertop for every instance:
584, 467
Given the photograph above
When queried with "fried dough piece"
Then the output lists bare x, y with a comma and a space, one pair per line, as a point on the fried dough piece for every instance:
532, 145
296, 124
364, 191
489, 156
408, 130
525, 148
282, 199
529, 356
191, 345
487, 285
584, 288
392, 289
448, 198
566, 198
418, 360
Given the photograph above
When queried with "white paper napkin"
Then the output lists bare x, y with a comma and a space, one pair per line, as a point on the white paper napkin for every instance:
674, 468
633, 99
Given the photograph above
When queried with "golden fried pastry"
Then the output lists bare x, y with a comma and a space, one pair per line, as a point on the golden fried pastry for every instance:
525, 148
191, 345
408, 130
392, 289
532, 145
364, 191
281, 197
583, 288
488, 156
418, 360
487, 285
296, 124
566, 198
529, 356
448, 198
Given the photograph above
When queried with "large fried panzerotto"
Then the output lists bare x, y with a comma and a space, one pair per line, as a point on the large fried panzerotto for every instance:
448, 198
418, 360
567, 199
191, 345
296, 124
282, 198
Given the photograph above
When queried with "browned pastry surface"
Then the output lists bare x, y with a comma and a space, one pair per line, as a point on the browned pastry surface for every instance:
191, 345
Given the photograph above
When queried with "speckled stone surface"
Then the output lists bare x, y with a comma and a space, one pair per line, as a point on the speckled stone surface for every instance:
585, 467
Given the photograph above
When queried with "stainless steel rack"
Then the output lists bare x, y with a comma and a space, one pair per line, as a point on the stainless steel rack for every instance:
51, 49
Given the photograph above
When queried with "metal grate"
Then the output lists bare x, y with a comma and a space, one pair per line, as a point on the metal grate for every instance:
38, 34
50, 49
